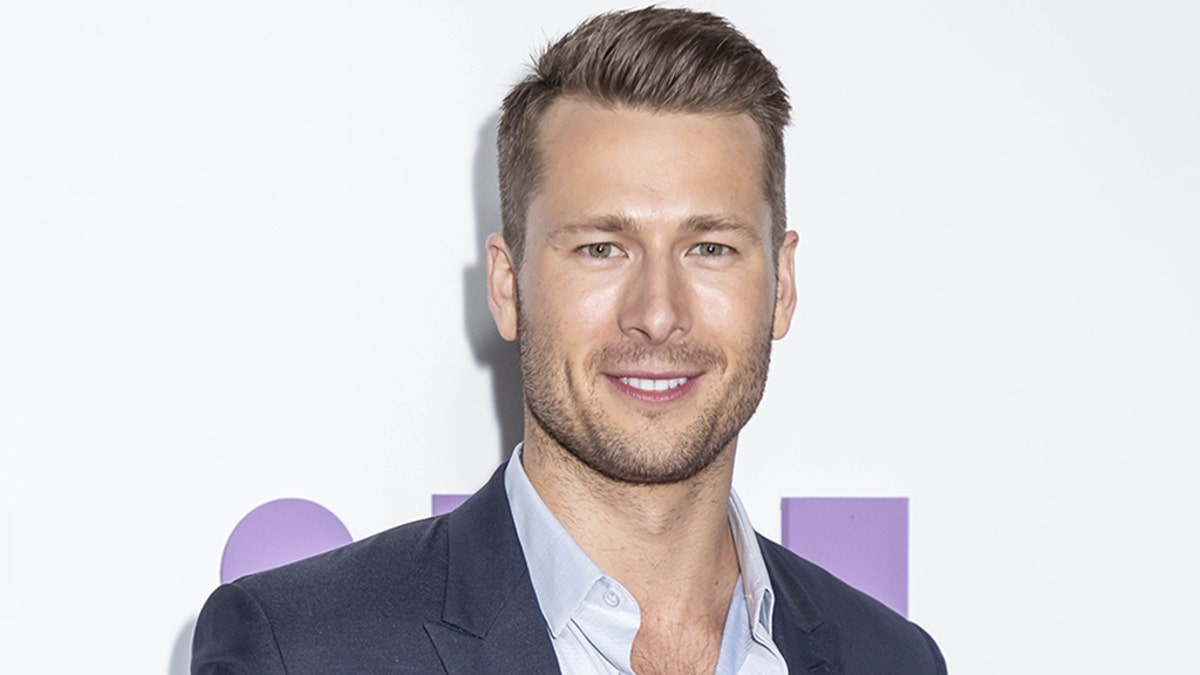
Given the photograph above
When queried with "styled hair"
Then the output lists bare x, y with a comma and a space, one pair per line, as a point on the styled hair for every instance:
671, 60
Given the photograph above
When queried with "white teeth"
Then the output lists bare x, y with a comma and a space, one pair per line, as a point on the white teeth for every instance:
653, 385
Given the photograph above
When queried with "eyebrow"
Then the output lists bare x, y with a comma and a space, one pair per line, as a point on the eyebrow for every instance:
612, 224
721, 224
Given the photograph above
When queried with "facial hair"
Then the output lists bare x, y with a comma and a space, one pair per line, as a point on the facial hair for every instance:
638, 449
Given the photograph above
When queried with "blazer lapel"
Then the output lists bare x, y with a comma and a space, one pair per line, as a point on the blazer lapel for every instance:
808, 643
491, 621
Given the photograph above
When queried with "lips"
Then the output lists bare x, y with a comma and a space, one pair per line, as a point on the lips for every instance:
654, 388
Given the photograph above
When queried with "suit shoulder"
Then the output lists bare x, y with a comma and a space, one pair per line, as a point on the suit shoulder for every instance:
405, 558
873, 637
379, 591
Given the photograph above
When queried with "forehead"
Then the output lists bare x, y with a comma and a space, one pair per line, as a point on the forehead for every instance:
649, 166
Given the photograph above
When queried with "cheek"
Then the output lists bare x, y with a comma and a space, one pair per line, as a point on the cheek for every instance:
715, 310
733, 307
589, 314
579, 316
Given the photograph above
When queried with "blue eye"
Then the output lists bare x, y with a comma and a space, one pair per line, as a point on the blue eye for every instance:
710, 249
603, 250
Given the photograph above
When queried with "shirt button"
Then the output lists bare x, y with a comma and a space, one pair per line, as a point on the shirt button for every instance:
612, 598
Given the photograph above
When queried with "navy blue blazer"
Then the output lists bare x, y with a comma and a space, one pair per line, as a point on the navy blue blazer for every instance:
452, 594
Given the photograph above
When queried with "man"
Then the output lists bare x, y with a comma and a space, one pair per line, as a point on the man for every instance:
645, 269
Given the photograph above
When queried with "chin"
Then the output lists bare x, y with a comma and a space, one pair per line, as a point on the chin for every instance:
634, 461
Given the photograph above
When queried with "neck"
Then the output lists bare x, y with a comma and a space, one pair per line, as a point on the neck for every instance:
669, 545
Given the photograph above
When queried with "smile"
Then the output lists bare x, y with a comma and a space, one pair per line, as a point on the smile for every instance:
647, 384
647, 388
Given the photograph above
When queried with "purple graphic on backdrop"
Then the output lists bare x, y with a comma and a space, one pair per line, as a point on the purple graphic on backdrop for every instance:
280, 532
447, 503
862, 541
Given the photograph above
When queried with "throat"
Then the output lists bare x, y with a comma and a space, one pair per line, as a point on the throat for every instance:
668, 646
682, 629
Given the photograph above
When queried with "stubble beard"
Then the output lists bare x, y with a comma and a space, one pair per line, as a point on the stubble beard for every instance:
571, 415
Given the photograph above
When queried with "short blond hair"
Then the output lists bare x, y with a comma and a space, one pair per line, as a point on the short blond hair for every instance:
674, 60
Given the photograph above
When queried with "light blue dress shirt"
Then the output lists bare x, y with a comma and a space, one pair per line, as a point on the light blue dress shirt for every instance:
592, 618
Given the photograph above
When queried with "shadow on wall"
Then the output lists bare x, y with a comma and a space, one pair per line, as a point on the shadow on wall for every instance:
181, 655
489, 349
501, 357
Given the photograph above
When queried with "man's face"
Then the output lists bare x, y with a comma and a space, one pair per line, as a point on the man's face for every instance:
648, 296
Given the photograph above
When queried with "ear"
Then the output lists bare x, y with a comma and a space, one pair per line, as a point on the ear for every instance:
502, 286
785, 285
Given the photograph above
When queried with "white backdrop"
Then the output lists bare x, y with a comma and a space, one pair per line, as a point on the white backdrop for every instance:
240, 250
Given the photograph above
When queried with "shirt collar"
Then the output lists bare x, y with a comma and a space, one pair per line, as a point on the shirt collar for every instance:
563, 575
756, 582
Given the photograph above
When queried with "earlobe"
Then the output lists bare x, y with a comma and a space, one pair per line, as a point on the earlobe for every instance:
785, 285
502, 286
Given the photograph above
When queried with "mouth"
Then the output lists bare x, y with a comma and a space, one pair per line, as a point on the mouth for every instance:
654, 388
653, 384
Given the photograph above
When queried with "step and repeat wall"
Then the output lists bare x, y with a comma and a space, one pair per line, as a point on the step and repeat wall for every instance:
241, 261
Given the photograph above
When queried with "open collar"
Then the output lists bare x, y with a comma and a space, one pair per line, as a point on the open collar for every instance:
491, 621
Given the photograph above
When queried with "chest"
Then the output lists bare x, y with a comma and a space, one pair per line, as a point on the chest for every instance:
675, 649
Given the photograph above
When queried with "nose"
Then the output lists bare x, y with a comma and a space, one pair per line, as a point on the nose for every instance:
655, 302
